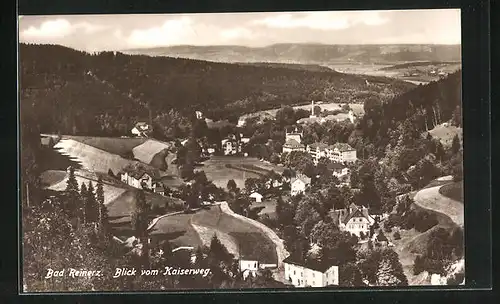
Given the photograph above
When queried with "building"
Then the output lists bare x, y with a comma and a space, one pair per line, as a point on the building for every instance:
292, 145
257, 197
313, 115
339, 170
354, 219
141, 129
248, 267
299, 184
47, 142
230, 146
339, 152
242, 121
139, 177
158, 188
310, 273
199, 114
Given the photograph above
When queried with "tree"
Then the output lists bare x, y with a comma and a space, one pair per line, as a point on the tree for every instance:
82, 212
91, 205
140, 222
397, 235
350, 275
455, 144
306, 214
72, 191
231, 185
390, 271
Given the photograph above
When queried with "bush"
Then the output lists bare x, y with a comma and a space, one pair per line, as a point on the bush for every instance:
387, 229
397, 235
418, 265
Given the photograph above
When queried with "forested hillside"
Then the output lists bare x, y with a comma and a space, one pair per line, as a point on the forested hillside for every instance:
104, 94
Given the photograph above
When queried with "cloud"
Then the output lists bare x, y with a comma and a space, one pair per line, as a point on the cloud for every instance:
322, 20
59, 28
49, 29
172, 31
236, 33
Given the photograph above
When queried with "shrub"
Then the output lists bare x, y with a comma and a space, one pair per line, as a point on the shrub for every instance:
418, 265
387, 229
110, 173
397, 235
362, 235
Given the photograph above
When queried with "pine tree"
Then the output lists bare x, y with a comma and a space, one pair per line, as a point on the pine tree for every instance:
91, 205
103, 211
455, 145
72, 191
140, 222
82, 211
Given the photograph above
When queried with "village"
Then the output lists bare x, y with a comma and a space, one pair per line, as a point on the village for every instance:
355, 219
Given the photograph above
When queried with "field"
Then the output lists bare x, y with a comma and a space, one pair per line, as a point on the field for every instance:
113, 145
221, 169
239, 237
432, 199
56, 181
453, 191
120, 208
146, 151
446, 133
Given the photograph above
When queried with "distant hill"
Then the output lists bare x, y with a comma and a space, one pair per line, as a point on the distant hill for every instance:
309, 53
104, 94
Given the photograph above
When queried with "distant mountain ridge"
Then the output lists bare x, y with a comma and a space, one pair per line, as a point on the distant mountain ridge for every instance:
309, 53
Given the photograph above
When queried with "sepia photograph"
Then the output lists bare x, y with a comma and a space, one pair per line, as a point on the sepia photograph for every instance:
241, 151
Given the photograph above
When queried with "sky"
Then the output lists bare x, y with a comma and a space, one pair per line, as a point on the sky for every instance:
120, 32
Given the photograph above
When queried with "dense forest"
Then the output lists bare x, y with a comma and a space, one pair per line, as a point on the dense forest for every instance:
105, 93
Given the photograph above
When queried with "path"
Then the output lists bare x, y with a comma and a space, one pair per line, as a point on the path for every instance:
431, 199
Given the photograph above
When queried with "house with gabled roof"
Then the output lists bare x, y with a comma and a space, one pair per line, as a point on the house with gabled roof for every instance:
354, 219
299, 184
139, 176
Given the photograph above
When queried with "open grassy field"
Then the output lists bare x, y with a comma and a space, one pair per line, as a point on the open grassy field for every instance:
122, 206
455, 191
221, 169
198, 228
446, 133
51, 177
432, 199
146, 151
56, 181
113, 145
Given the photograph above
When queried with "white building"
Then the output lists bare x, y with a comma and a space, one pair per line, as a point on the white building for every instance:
299, 184
339, 152
199, 114
354, 219
310, 274
257, 197
141, 129
249, 267
339, 170
141, 176
293, 141
230, 146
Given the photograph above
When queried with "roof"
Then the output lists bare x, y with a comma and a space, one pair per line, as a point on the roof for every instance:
254, 194
138, 170
342, 147
321, 146
292, 143
312, 264
303, 178
141, 125
358, 212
